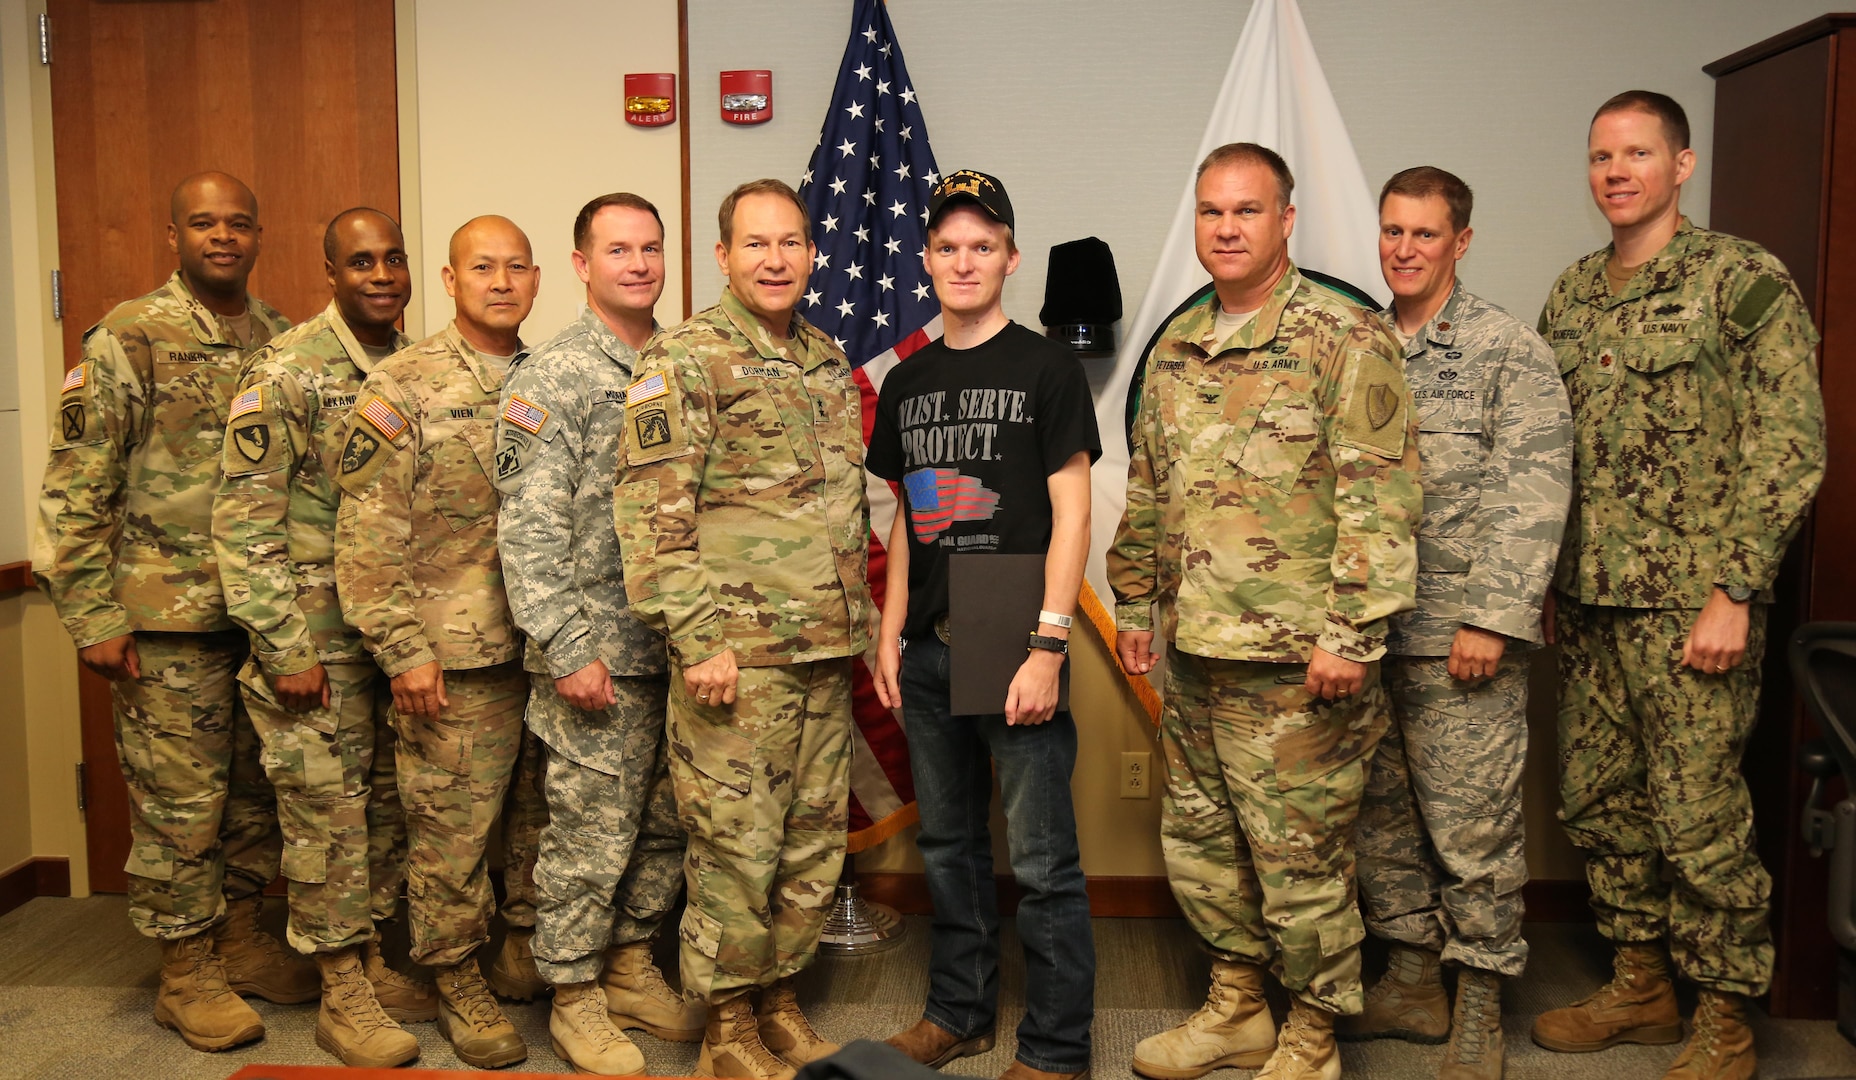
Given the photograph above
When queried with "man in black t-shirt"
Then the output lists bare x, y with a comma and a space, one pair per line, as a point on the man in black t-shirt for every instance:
990, 432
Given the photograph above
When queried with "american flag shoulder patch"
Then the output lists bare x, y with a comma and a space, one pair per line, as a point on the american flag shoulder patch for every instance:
525, 414
248, 402
654, 386
385, 418
74, 380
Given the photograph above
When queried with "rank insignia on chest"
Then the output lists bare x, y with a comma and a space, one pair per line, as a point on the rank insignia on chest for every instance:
651, 427
253, 441
1607, 360
1447, 375
359, 451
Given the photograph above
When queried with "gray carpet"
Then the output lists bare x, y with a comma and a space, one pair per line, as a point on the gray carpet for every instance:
77, 987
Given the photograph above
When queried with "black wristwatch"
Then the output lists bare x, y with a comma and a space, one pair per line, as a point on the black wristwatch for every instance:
1048, 644
1739, 594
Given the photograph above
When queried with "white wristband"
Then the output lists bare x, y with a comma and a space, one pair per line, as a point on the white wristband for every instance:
1055, 619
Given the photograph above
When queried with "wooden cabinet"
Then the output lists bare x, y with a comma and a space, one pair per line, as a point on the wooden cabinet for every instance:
1784, 169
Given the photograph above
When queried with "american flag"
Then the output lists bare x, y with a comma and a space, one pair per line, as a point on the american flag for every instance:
867, 191
525, 414
249, 401
940, 497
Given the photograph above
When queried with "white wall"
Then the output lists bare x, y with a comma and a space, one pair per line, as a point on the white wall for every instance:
520, 112
1090, 110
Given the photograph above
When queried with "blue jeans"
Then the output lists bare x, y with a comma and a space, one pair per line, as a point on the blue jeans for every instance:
954, 759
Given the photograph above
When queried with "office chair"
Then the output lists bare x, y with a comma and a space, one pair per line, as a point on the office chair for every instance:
1823, 662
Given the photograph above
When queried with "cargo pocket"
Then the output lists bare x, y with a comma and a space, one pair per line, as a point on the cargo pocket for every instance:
1659, 391
305, 863
755, 437
717, 800
435, 742
700, 931
152, 861
459, 484
1276, 444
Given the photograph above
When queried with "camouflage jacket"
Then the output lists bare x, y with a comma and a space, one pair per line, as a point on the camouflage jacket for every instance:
1273, 485
1699, 423
741, 508
416, 563
125, 537
274, 519
1495, 442
556, 461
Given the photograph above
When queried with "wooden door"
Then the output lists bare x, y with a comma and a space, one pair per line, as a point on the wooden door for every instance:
296, 97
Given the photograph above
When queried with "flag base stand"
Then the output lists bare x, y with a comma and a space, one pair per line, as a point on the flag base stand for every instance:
855, 926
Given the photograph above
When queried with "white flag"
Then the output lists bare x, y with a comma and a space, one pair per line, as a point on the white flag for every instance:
1275, 95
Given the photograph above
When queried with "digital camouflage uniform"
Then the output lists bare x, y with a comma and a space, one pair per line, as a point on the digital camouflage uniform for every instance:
1439, 836
1272, 492
754, 446
125, 545
420, 578
1699, 443
274, 530
611, 861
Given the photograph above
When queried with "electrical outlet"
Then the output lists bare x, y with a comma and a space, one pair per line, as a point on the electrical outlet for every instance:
1136, 774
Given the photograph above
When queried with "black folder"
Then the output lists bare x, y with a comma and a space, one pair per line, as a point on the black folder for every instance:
993, 603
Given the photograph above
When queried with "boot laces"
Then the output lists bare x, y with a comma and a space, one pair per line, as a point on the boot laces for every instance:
1707, 1031
1298, 1035
355, 996
782, 999
648, 980
1471, 1031
590, 1017
743, 1030
474, 1002
381, 973
1625, 978
205, 966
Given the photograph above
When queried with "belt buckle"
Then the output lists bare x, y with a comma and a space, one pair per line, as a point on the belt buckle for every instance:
941, 631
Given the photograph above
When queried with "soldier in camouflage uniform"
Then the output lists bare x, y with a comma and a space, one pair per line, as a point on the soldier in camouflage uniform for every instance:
744, 526
125, 553
1272, 492
1689, 359
417, 569
310, 686
611, 861
1439, 837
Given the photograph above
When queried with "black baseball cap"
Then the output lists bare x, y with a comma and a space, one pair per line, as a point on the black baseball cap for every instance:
986, 191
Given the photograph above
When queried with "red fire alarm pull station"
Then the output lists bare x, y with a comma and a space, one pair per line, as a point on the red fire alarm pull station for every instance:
651, 100
747, 97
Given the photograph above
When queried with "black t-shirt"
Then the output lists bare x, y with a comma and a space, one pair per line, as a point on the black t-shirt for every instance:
974, 435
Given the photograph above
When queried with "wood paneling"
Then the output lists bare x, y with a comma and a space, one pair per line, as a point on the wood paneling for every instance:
298, 98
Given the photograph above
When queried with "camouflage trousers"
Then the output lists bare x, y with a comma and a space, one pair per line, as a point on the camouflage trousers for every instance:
1651, 789
525, 815
338, 806
762, 789
1439, 838
202, 818
611, 864
453, 774
1263, 785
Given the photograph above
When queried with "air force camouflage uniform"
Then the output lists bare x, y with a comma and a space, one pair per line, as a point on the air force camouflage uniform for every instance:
1272, 492
611, 861
1439, 836
125, 545
744, 524
419, 576
1700, 442
274, 530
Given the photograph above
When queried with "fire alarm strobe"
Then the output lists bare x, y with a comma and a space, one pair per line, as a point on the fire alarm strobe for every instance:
747, 97
651, 100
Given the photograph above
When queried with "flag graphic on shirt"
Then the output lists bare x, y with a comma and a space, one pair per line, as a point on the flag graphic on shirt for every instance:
940, 497
866, 189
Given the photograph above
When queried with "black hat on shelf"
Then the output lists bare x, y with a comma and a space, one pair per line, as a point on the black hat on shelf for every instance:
1082, 296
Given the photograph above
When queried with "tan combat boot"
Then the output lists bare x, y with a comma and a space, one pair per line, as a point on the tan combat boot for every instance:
1305, 1049
1638, 1005
1721, 1047
934, 1046
1407, 1002
731, 1045
512, 974
406, 999
471, 1019
1475, 1051
638, 997
259, 964
584, 1036
1233, 1029
351, 1024
195, 1001
785, 1030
